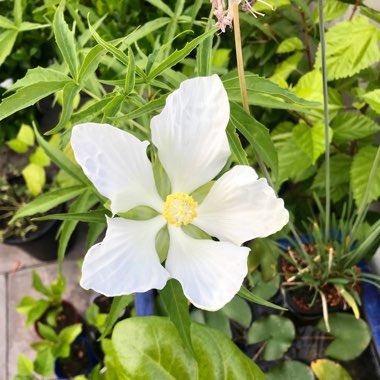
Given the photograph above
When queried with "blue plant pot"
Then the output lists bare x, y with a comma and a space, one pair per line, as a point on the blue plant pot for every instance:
144, 303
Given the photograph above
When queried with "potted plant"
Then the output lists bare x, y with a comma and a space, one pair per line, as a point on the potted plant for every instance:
51, 309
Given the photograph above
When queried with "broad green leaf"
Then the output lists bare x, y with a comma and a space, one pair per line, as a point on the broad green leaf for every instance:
239, 311
47, 201
112, 363
26, 134
352, 336
351, 46
349, 126
60, 159
35, 178
256, 134
219, 321
117, 308
7, 40
179, 55
289, 45
47, 332
94, 216
373, 99
69, 334
65, 40
285, 68
290, 370
235, 144
311, 139
33, 309
332, 9
28, 96
177, 307
39, 286
359, 174
24, 365
326, 369
152, 348
70, 92
221, 57
39, 157
44, 363
265, 289
278, 332
38, 75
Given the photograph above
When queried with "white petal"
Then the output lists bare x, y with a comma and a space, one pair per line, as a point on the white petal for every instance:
240, 207
210, 272
190, 133
116, 163
125, 261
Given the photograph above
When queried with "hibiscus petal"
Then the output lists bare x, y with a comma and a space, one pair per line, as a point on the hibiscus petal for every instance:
116, 163
210, 272
190, 133
241, 207
125, 261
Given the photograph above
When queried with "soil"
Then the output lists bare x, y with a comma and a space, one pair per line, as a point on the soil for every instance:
104, 303
77, 363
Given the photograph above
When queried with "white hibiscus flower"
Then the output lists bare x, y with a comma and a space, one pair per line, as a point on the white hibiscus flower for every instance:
190, 136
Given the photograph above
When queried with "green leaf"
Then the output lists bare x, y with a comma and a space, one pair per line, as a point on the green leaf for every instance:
17, 146
26, 26
349, 126
179, 55
39, 286
278, 332
332, 9
118, 305
265, 289
162, 6
292, 369
24, 365
249, 296
70, 91
28, 96
352, 336
69, 334
359, 174
239, 311
289, 45
151, 347
204, 52
235, 144
311, 139
34, 309
47, 201
162, 243
26, 134
65, 40
218, 320
90, 63
39, 158
326, 369
6, 23
285, 68
256, 134
131, 72
177, 307
7, 40
153, 105
92, 216
373, 99
17, 12
351, 46
47, 332
60, 159
44, 363
35, 178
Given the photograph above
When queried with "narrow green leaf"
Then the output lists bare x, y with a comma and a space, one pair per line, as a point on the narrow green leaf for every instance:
47, 201
6, 23
39, 285
60, 159
90, 112
178, 55
26, 26
17, 12
177, 308
204, 53
65, 40
118, 305
130, 77
256, 134
153, 105
90, 63
246, 294
162, 6
7, 40
28, 96
235, 145
97, 216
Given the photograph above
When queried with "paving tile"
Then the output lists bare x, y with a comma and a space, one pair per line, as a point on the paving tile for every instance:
3, 327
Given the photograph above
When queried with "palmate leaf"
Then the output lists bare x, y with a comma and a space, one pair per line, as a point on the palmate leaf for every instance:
291, 369
326, 369
350, 47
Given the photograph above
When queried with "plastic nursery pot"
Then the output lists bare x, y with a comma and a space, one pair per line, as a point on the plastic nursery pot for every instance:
67, 317
81, 361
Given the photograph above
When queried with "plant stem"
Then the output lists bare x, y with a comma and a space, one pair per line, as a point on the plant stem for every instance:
325, 115
307, 40
244, 96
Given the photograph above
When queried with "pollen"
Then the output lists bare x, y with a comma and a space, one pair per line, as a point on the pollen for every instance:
180, 209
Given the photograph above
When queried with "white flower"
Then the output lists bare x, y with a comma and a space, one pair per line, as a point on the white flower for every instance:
192, 145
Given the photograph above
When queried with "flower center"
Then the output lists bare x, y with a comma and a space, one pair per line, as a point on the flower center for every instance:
179, 209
